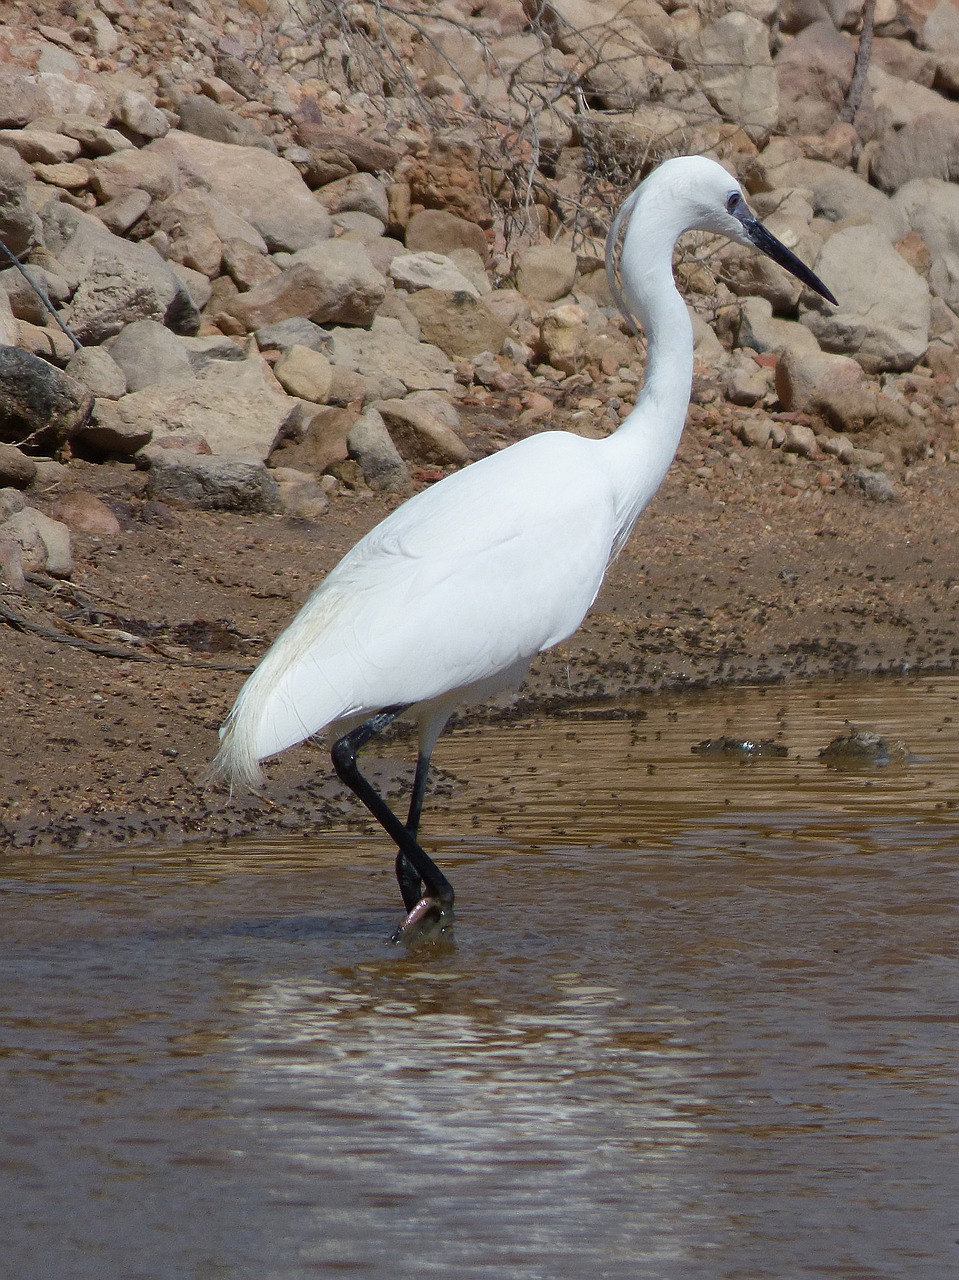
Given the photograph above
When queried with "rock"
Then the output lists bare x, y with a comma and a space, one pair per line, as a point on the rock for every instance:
331, 283
734, 69
874, 485
562, 335
940, 31
438, 231
25, 301
137, 113
246, 265
808, 381
370, 444
84, 512
16, 469
357, 151
108, 433
884, 306
800, 439
99, 372
813, 74
264, 189
925, 148
44, 543
116, 281
40, 406
38, 146
387, 355
224, 483
297, 331
12, 576
762, 332
356, 193
423, 428
837, 194
19, 225
304, 373
756, 432
746, 381
318, 442
149, 355
208, 119
458, 323
931, 207
11, 501
120, 171
302, 497
546, 272
430, 271
191, 234
233, 405
863, 408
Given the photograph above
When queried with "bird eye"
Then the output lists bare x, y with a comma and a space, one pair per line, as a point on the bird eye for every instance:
732, 201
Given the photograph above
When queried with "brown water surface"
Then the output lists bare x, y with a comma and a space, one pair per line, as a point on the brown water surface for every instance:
701, 1020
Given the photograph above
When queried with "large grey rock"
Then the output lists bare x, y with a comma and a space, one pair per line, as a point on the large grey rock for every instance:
99, 372
925, 148
264, 189
734, 69
149, 355
232, 405
333, 282
40, 406
458, 323
370, 444
111, 435
838, 194
208, 119
19, 224
116, 281
884, 305
813, 73
931, 208
386, 350
225, 483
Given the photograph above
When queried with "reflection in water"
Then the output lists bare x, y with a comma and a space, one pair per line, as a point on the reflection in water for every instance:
700, 1021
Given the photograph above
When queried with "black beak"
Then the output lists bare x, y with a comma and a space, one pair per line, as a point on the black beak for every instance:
767, 243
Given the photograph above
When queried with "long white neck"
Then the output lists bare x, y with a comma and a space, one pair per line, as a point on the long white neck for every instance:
640, 451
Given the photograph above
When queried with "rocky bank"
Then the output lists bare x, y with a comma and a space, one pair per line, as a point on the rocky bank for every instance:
291, 272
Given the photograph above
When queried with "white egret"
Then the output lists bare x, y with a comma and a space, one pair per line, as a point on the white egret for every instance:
450, 598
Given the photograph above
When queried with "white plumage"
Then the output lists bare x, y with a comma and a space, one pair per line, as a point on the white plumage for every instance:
451, 597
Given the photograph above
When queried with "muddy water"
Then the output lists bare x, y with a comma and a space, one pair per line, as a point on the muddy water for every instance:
701, 1020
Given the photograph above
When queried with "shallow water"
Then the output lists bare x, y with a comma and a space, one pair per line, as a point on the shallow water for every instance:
701, 1020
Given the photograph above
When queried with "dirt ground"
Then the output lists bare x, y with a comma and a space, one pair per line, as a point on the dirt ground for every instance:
750, 565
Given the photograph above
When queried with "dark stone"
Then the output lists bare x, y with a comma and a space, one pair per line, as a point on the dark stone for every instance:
40, 406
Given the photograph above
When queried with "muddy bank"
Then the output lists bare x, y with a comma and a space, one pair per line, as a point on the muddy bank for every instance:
746, 568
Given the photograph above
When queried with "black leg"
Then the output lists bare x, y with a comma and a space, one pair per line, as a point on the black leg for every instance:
413, 863
406, 875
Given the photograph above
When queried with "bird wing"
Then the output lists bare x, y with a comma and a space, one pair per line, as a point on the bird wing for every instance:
491, 566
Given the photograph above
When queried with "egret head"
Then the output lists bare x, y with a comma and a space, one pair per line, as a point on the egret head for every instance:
710, 199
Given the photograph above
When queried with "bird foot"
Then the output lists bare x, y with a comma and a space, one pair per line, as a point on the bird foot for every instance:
428, 922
